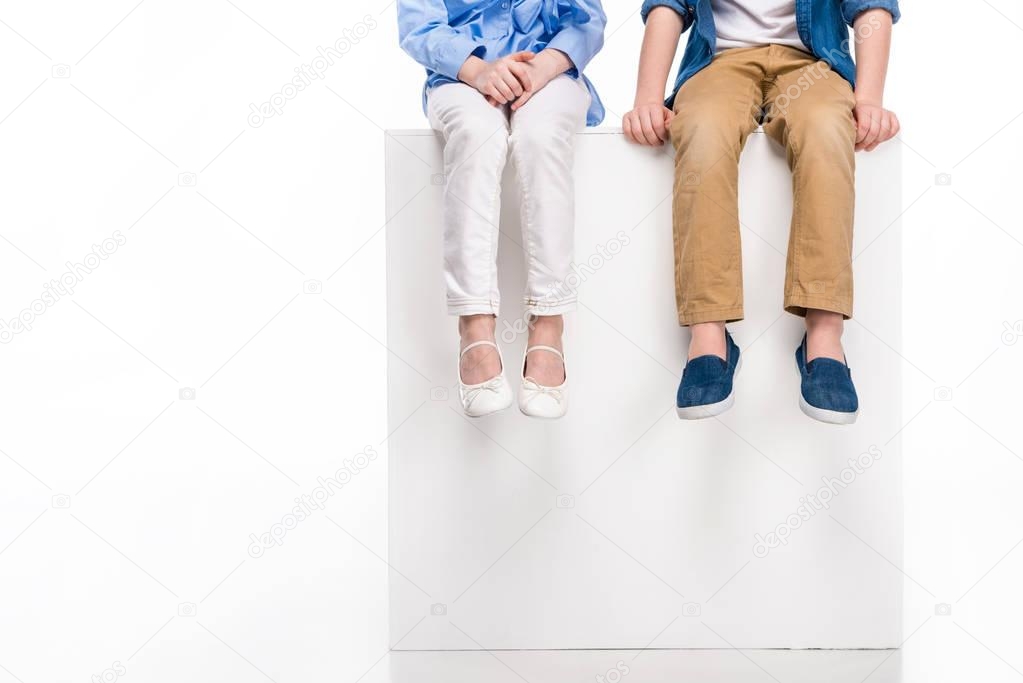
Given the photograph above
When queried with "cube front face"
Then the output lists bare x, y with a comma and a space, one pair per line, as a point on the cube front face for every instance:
620, 526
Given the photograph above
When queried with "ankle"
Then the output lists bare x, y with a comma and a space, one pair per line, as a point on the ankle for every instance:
708, 331
824, 335
476, 327
707, 339
546, 329
824, 323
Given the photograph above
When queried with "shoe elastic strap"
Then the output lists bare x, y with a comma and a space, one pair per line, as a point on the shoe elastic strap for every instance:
546, 348
482, 342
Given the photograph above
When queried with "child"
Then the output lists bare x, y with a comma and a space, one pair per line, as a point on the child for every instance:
787, 63
505, 78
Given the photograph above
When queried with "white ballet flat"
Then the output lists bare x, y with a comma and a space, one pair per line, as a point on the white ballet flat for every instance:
487, 397
536, 400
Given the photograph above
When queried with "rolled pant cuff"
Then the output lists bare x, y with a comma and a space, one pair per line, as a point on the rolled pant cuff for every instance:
729, 314
473, 307
542, 307
796, 304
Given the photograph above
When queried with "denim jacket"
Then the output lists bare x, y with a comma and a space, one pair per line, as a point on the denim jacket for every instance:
822, 25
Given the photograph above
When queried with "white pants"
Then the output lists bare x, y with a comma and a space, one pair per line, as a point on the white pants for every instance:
479, 138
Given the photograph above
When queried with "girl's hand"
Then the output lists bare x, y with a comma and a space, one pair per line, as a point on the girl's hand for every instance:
648, 124
501, 81
547, 65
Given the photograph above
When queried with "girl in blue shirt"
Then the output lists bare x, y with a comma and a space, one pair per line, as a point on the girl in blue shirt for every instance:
505, 80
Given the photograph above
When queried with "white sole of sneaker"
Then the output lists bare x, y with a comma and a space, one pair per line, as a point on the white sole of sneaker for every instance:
831, 417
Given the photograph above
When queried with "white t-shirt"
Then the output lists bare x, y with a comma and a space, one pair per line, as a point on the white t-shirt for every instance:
748, 23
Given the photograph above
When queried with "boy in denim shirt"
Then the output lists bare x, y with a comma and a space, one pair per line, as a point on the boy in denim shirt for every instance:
785, 64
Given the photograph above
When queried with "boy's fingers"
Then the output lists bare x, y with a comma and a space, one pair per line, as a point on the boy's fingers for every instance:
862, 125
658, 122
886, 128
881, 138
654, 124
863, 131
627, 128
649, 131
635, 131
893, 124
875, 131
524, 56
862, 128
645, 128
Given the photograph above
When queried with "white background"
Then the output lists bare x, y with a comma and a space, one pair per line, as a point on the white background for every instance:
206, 294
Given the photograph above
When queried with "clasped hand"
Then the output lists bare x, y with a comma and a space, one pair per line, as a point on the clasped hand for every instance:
513, 79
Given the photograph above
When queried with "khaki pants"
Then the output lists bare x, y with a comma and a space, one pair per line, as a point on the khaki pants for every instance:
809, 112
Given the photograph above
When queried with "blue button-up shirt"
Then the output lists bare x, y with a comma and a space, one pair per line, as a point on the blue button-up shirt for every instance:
442, 34
823, 27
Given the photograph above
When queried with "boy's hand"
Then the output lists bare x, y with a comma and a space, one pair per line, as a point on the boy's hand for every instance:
874, 125
647, 124
500, 81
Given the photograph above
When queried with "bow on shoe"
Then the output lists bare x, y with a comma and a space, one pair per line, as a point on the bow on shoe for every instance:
557, 393
493, 385
526, 12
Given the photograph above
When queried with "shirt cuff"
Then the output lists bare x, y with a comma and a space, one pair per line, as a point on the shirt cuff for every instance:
648, 5
854, 8
454, 54
574, 48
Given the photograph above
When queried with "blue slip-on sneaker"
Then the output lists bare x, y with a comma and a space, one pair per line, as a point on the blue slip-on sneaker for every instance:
826, 391
707, 387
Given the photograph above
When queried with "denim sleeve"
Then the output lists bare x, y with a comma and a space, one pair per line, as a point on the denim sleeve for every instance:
425, 34
583, 35
676, 5
854, 8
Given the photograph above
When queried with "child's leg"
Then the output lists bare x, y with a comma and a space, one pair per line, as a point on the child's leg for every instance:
810, 113
714, 113
475, 151
541, 144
